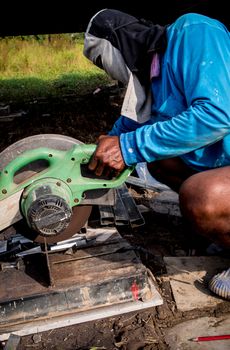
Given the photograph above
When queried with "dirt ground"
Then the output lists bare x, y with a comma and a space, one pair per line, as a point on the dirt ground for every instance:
85, 118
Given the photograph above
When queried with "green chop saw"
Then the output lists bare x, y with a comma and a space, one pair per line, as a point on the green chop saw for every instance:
64, 271
44, 179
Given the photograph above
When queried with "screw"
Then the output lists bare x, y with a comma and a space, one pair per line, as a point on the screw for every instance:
58, 183
4, 191
24, 195
68, 180
76, 200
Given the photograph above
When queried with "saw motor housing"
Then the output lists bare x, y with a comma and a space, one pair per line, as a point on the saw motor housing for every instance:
46, 206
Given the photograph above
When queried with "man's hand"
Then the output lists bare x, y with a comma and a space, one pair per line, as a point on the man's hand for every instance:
108, 157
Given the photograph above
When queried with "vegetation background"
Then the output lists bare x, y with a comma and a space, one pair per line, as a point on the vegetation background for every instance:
46, 66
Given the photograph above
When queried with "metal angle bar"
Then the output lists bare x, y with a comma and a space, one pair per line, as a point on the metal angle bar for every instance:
135, 217
80, 242
3, 246
120, 211
106, 215
13, 342
136, 181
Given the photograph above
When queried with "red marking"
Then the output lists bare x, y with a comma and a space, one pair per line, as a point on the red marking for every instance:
135, 290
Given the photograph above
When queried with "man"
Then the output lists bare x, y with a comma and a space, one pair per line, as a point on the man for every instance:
176, 111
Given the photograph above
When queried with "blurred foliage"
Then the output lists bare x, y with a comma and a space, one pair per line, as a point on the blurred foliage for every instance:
46, 65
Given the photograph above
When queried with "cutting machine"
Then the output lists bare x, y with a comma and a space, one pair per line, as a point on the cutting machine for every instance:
70, 272
45, 180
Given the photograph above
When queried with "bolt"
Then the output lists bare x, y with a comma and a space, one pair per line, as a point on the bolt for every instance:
68, 180
4, 191
24, 195
76, 200
58, 183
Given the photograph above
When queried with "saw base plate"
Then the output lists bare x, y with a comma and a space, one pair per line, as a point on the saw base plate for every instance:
107, 275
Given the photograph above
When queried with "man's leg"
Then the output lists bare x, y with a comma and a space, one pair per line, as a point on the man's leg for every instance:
204, 197
205, 203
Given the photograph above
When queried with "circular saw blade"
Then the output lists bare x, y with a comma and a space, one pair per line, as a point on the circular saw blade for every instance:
81, 213
55, 141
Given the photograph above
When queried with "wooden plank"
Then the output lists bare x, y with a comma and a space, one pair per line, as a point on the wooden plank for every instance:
179, 336
68, 319
90, 265
189, 278
9, 210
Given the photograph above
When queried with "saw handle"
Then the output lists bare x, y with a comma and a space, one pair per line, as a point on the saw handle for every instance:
89, 183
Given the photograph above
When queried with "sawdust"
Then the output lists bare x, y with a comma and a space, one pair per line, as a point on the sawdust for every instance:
85, 118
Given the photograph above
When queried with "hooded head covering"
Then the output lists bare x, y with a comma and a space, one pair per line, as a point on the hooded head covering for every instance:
123, 46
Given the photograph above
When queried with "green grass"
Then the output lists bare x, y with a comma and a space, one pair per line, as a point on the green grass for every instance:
46, 66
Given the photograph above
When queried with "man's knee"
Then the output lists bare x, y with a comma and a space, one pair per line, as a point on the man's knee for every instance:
205, 204
200, 199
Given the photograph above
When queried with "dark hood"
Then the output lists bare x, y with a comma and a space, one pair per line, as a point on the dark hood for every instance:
136, 39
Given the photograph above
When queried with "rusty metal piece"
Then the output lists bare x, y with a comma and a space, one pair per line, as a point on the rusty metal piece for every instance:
45, 253
10, 265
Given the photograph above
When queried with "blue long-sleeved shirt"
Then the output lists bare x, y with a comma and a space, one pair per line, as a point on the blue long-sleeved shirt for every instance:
191, 108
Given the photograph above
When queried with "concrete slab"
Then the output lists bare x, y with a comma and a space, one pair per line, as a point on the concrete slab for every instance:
189, 278
166, 202
178, 337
